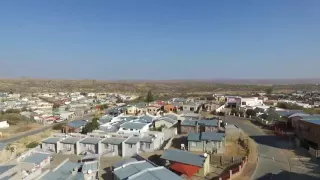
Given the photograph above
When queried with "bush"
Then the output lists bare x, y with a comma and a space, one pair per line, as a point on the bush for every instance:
58, 126
221, 114
251, 112
32, 145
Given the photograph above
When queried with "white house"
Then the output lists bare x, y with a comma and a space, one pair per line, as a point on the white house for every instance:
134, 127
251, 101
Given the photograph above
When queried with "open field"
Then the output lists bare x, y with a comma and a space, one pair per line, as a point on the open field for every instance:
19, 128
160, 87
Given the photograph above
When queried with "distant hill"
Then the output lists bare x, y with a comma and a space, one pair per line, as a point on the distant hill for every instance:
159, 86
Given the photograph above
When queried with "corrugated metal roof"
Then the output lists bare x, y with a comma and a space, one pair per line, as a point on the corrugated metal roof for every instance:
52, 140
92, 165
133, 125
298, 114
167, 119
70, 140
171, 116
77, 123
156, 173
205, 136
317, 122
90, 140
183, 157
205, 122
146, 118
311, 117
132, 140
130, 169
147, 139
6, 168
124, 161
113, 140
64, 172
36, 158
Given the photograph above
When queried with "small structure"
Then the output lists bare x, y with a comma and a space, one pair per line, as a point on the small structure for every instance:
188, 126
89, 145
210, 142
70, 145
134, 127
51, 144
75, 126
165, 121
135, 170
35, 160
187, 163
112, 146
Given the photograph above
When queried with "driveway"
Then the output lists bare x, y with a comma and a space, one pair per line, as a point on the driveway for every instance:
273, 153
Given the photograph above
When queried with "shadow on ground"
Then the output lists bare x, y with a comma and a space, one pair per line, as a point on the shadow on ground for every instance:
286, 175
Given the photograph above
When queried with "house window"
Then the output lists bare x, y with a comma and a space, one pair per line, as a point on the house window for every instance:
130, 145
124, 128
244, 103
193, 144
148, 145
131, 129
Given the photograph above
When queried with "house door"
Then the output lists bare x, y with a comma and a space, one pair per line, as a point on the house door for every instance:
119, 150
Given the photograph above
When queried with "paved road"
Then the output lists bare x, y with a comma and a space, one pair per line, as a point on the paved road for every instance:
30, 133
272, 157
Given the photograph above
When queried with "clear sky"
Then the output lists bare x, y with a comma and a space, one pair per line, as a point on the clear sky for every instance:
160, 39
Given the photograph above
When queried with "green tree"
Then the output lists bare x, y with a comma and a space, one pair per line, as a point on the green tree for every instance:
91, 126
251, 112
149, 97
269, 91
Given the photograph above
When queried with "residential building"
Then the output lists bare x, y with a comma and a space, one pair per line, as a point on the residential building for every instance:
187, 163
89, 145
188, 126
112, 146
190, 107
210, 142
70, 145
75, 126
71, 170
51, 144
165, 122
134, 127
138, 170
169, 108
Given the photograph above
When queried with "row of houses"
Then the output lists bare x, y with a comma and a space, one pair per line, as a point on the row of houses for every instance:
113, 144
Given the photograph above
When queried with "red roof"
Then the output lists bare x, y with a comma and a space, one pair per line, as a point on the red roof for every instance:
186, 169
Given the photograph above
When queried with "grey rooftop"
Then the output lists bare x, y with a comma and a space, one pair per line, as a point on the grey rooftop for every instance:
127, 170
36, 158
70, 140
52, 140
90, 140
206, 136
133, 125
184, 157
113, 140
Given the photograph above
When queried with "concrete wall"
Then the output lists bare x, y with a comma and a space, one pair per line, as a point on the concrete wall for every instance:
69, 148
91, 148
203, 146
130, 149
109, 150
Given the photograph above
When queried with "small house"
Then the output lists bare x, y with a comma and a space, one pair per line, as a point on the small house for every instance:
211, 142
188, 126
165, 122
187, 163
89, 145
35, 160
131, 146
51, 144
75, 126
134, 169
134, 127
112, 146
70, 145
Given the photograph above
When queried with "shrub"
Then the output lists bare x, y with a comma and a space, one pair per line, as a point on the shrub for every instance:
32, 145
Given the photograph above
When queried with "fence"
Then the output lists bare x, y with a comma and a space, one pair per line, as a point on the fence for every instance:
234, 170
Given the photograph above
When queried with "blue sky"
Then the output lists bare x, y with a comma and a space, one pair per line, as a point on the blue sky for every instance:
160, 39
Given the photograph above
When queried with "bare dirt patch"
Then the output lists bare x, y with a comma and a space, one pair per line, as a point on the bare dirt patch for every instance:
15, 130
